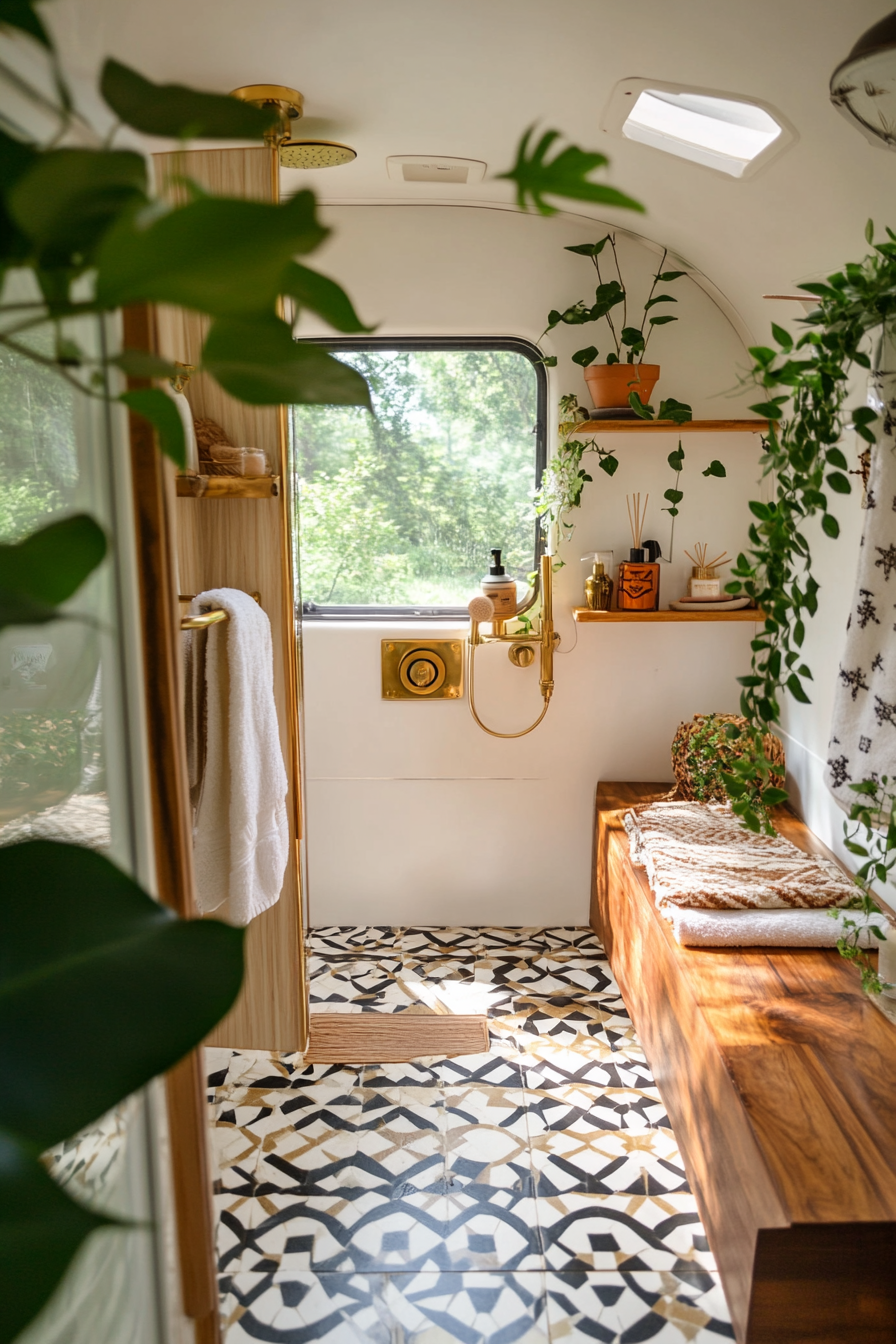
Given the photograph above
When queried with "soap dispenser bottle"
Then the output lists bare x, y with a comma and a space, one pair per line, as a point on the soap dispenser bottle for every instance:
598, 588
500, 587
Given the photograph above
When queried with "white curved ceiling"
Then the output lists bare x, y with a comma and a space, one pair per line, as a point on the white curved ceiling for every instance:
466, 77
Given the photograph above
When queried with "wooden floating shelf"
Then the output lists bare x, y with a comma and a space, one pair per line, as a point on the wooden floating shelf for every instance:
585, 616
670, 427
227, 487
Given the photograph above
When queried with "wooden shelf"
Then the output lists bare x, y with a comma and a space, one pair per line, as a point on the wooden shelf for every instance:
227, 487
585, 616
670, 427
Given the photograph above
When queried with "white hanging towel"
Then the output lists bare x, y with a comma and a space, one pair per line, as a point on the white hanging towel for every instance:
863, 729
241, 831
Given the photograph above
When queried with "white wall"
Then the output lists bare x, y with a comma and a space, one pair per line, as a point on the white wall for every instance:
414, 814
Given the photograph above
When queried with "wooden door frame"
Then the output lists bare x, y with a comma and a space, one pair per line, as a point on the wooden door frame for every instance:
173, 845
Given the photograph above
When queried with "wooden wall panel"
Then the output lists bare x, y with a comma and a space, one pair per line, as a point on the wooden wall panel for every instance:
240, 543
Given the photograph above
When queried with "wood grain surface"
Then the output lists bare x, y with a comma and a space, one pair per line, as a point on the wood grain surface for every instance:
172, 841
585, 616
393, 1038
670, 427
780, 1081
240, 543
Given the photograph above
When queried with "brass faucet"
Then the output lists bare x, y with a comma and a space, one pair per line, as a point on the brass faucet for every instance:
521, 651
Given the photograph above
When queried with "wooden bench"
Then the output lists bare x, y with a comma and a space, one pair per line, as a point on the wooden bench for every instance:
779, 1078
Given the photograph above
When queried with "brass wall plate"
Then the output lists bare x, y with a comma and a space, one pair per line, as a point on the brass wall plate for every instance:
423, 669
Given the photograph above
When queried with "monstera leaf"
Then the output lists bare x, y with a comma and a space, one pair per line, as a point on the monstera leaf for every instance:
567, 175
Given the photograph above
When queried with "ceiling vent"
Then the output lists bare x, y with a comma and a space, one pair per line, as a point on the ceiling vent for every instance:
427, 168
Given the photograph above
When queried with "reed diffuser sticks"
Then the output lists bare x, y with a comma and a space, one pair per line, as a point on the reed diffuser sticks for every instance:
636, 523
702, 549
639, 578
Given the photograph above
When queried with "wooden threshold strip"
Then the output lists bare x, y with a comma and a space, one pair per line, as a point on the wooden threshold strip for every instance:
393, 1038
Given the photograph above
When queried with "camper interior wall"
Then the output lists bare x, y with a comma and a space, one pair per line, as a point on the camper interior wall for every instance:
447, 824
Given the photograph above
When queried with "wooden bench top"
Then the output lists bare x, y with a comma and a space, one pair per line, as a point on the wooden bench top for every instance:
780, 1080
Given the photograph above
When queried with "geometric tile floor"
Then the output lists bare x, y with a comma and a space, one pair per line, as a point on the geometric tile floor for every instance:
533, 1193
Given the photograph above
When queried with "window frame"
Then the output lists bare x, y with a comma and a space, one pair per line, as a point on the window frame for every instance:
517, 345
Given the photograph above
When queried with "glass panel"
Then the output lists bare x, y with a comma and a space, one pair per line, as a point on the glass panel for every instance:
402, 507
66, 774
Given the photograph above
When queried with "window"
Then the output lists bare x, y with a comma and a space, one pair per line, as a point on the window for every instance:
729, 134
397, 511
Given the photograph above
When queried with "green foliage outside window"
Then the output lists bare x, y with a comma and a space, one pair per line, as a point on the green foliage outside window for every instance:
401, 508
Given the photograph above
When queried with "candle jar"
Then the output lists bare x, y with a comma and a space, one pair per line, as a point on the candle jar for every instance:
704, 583
254, 462
638, 588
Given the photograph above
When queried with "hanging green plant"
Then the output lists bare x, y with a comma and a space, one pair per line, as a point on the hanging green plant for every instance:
564, 478
806, 385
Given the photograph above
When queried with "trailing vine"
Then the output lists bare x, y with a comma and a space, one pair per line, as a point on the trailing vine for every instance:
565, 478
806, 382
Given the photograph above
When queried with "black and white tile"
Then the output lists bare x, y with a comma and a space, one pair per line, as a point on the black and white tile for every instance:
532, 1193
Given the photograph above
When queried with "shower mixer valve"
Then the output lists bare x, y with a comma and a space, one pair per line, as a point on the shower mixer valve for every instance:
522, 647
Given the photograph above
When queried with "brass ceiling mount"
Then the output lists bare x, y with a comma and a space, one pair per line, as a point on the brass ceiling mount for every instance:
290, 106
289, 103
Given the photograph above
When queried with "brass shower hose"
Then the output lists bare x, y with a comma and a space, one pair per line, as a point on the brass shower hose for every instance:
491, 731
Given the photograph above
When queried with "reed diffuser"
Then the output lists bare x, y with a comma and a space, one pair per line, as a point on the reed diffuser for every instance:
704, 584
639, 577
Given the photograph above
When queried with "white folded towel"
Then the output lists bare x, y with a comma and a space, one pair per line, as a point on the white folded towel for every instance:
765, 928
241, 830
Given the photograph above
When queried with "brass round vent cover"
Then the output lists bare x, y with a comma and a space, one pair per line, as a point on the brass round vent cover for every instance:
421, 671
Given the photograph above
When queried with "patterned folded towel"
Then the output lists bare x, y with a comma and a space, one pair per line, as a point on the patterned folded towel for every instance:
765, 928
698, 855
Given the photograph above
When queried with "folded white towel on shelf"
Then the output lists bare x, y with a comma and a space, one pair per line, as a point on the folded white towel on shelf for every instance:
241, 830
765, 928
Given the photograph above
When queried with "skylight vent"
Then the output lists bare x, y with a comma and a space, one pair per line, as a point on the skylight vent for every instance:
720, 131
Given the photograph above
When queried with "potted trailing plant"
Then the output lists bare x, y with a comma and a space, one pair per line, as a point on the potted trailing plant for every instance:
624, 373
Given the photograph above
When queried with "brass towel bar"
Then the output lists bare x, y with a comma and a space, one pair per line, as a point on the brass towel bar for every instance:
206, 618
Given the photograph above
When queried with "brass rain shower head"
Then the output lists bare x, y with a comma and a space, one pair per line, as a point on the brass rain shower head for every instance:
314, 154
290, 105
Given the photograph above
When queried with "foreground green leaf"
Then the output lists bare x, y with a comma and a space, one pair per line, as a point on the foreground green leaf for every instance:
22, 15
176, 111
41, 1228
47, 568
100, 979
215, 255
566, 176
158, 408
323, 296
259, 362
69, 198
16, 159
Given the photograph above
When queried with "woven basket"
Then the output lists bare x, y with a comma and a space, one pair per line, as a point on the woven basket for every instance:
208, 434
701, 751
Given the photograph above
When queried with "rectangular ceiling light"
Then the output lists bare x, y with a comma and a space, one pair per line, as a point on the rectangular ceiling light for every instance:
731, 135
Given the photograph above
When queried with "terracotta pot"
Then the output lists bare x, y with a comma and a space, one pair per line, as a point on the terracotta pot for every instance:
610, 384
